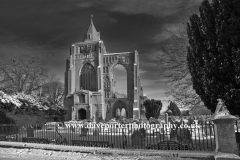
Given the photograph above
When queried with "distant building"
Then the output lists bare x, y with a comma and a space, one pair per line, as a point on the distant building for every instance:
200, 110
89, 82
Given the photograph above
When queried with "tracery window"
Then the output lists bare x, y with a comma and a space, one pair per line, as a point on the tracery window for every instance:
88, 78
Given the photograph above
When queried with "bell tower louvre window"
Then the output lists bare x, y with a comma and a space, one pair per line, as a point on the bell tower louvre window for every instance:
88, 78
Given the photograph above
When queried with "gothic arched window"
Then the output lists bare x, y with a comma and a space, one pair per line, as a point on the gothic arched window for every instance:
88, 78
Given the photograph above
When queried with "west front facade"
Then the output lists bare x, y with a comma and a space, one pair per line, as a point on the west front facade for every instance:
90, 85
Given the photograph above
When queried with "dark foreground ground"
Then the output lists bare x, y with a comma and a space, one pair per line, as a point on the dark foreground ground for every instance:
39, 154
33, 151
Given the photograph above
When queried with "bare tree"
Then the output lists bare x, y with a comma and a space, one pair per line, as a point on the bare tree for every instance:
53, 92
22, 74
172, 58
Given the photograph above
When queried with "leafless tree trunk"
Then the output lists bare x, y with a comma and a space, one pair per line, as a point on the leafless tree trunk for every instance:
53, 91
22, 74
172, 58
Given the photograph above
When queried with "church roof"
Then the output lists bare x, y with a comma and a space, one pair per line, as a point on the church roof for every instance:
91, 34
200, 110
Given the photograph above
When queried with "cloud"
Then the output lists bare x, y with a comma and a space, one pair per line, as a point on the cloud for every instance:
85, 4
161, 37
151, 7
161, 8
46, 29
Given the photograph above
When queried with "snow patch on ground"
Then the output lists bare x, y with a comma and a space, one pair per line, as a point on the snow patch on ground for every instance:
44, 151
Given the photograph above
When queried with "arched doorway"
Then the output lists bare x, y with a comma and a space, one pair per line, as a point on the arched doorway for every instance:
119, 109
119, 74
82, 113
123, 112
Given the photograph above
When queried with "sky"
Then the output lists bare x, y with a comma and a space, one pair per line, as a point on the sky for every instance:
46, 29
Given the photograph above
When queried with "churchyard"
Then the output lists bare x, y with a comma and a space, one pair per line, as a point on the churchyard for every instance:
156, 134
217, 134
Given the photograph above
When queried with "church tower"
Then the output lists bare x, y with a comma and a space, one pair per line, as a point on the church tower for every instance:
89, 81
91, 34
83, 82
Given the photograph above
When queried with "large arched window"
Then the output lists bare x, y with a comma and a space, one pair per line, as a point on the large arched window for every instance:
88, 78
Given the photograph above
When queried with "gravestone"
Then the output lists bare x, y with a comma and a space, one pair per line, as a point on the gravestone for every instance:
96, 131
138, 138
184, 136
145, 120
30, 131
130, 120
152, 120
158, 121
124, 121
224, 130
65, 142
84, 130
72, 128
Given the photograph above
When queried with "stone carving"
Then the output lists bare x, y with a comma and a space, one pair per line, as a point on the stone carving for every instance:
106, 84
124, 59
86, 49
221, 109
108, 101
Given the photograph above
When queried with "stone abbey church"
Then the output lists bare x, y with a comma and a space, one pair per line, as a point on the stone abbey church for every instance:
89, 82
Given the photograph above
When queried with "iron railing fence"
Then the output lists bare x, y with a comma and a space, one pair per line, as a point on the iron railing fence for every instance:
151, 136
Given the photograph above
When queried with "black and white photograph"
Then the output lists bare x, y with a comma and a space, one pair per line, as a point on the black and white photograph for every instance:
119, 79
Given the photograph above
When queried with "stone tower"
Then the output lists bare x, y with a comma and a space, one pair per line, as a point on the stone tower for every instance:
89, 81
